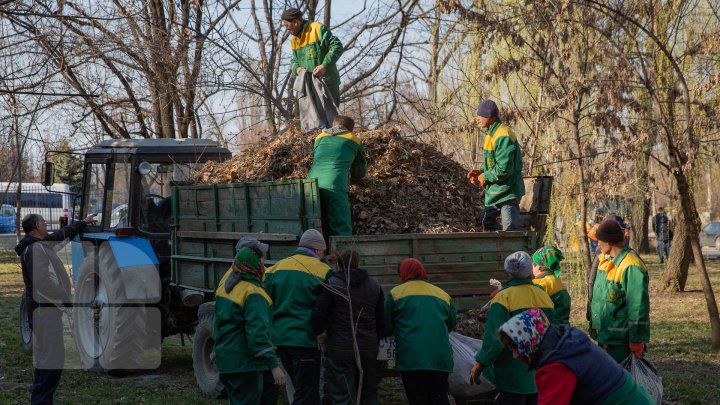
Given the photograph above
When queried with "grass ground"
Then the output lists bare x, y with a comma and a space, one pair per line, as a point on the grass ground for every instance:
680, 348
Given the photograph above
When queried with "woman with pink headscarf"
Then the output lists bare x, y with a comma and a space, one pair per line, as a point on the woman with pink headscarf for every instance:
420, 316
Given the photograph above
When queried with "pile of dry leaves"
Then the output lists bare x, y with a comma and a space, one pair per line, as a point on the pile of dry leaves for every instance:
410, 186
471, 322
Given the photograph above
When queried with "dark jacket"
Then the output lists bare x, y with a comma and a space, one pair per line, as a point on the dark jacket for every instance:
598, 375
49, 282
332, 312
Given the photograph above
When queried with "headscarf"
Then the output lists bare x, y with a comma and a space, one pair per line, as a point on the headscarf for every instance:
249, 261
411, 269
526, 330
549, 257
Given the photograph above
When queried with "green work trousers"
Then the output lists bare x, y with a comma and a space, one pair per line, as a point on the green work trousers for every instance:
618, 352
336, 216
251, 388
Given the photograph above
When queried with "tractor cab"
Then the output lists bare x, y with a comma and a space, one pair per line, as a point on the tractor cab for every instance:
128, 184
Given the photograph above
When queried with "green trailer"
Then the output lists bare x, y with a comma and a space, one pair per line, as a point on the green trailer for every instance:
208, 220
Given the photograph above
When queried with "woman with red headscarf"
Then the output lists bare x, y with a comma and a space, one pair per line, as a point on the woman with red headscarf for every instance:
420, 316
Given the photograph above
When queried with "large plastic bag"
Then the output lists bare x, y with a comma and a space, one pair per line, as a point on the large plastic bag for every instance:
646, 376
464, 349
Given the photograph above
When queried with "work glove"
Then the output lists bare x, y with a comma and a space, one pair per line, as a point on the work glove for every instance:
475, 374
637, 348
481, 179
472, 175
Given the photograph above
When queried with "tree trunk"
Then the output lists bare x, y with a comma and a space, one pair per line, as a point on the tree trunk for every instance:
641, 205
687, 202
328, 9
676, 268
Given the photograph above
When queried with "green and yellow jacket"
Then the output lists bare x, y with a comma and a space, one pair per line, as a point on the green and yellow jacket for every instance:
624, 301
605, 264
241, 328
420, 314
502, 165
337, 152
499, 366
555, 288
294, 284
316, 46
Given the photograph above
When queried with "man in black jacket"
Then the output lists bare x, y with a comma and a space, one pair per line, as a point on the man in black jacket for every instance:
47, 290
331, 315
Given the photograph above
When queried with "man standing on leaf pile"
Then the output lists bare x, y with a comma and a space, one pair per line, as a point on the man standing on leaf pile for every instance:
337, 152
314, 49
501, 171
621, 300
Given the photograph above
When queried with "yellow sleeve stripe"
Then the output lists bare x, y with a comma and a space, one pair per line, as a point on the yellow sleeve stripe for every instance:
616, 273
550, 284
417, 287
241, 291
503, 131
347, 135
303, 264
523, 296
309, 36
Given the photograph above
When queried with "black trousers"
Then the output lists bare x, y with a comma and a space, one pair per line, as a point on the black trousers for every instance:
426, 387
342, 377
303, 366
48, 353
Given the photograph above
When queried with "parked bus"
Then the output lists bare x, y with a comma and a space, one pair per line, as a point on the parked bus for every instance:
54, 203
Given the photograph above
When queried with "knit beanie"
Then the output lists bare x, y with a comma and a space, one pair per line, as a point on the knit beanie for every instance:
610, 231
252, 242
488, 109
291, 14
313, 239
519, 265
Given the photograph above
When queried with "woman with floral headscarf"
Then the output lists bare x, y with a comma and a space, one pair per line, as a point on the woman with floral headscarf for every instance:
245, 356
420, 316
546, 272
570, 368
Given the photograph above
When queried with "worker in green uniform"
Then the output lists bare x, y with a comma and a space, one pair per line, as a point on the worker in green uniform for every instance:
546, 274
501, 171
245, 355
511, 377
314, 48
294, 284
337, 152
621, 300
420, 316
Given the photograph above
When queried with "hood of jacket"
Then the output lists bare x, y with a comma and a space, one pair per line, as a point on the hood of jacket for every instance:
24, 243
357, 276
559, 343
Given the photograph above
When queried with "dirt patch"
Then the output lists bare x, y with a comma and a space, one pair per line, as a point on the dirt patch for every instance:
410, 186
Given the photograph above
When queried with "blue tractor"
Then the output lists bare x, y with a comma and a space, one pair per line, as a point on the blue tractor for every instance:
124, 301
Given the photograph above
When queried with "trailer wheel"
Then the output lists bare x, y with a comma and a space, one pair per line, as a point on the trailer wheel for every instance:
206, 374
109, 334
25, 329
